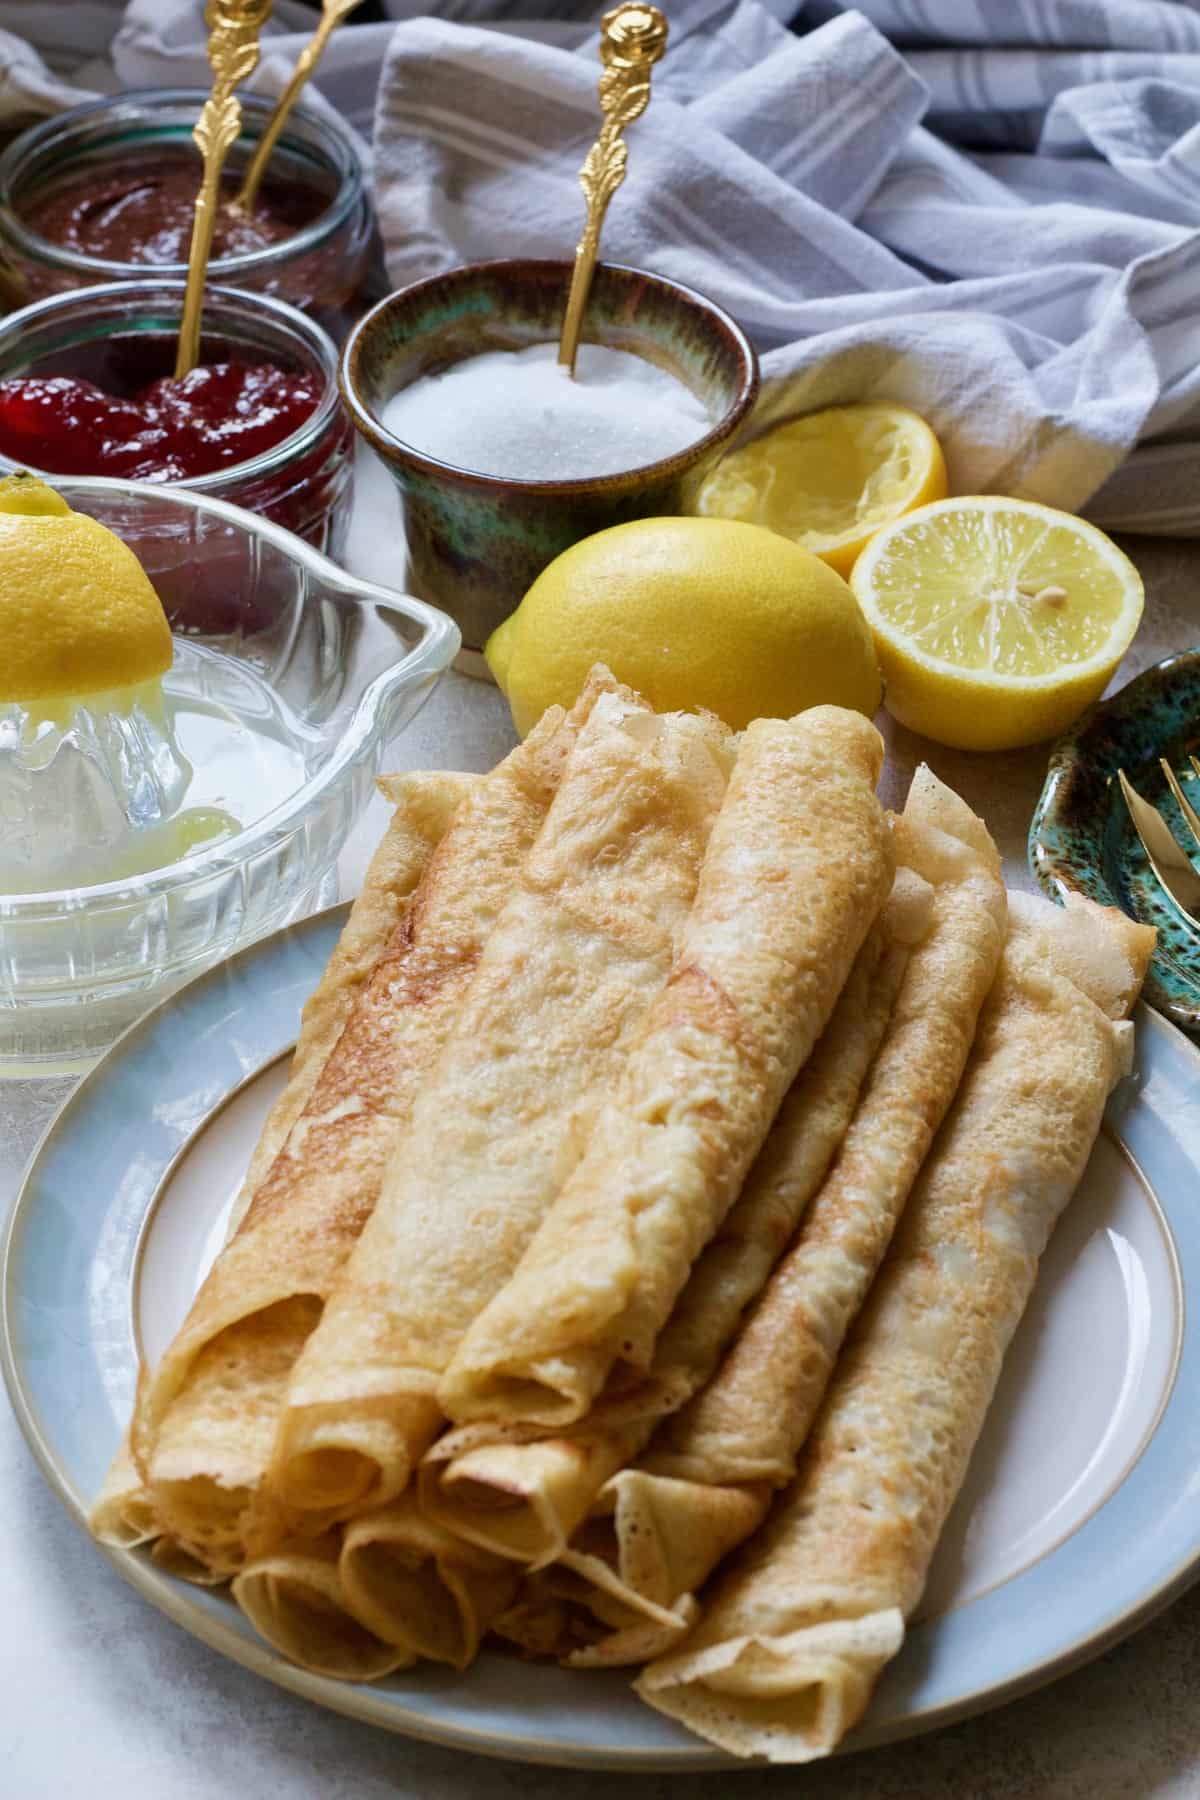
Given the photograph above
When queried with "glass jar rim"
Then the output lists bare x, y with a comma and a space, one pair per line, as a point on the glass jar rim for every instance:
219, 302
335, 144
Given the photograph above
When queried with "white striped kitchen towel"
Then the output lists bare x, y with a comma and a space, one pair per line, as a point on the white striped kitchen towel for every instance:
988, 209
1041, 307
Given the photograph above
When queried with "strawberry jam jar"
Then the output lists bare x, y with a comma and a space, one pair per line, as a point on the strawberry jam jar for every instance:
105, 192
87, 387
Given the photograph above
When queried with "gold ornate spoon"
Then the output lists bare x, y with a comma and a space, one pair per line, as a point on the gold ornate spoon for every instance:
632, 39
233, 28
332, 14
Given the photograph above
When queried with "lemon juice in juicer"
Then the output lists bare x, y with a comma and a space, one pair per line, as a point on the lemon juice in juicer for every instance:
122, 749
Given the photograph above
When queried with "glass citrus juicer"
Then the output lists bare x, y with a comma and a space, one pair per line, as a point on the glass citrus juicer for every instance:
178, 778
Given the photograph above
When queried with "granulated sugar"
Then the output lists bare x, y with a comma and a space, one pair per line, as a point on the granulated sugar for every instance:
517, 413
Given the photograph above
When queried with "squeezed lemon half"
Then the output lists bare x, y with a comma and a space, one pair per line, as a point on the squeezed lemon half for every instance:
830, 480
78, 615
996, 621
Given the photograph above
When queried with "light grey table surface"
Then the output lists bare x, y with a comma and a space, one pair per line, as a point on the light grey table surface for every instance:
101, 1695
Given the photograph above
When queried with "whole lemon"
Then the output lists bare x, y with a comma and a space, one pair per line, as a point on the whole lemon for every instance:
77, 612
691, 613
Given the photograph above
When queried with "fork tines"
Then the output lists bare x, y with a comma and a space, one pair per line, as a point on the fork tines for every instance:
1172, 866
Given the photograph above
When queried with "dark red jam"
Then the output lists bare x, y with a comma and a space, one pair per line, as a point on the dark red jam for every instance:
139, 212
174, 430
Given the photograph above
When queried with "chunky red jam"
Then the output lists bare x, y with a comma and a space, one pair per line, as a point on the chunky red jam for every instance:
141, 211
220, 415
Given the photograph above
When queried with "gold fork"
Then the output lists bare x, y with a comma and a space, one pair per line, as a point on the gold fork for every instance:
1173, 867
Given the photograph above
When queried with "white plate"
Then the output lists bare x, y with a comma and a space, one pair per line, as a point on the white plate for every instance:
1077, 1521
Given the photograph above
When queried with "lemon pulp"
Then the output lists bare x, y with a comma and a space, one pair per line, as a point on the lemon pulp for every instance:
996, 621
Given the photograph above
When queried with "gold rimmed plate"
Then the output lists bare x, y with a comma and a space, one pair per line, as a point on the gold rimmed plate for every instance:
1076, 1523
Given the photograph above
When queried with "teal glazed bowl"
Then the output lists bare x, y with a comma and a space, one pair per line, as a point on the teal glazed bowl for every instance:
475, 542
1082, 839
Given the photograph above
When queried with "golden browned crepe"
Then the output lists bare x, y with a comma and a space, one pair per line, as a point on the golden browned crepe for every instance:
528, 1498
419, 1586
525, 1499
204, 1422
671, 1513
293, 1597
534, 1621
423, 805
748, 1424
783, 1661
799, 864
174, 1558
580, 953
123, 1514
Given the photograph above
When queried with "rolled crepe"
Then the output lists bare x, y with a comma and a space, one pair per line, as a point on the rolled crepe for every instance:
174, 1558
798, 866
543, 1619
784, 1659
525, 1499
294, 1599
747, 1426
204, 1422
422, 807
582, 949
418, 1586
123, 1515
534, 1621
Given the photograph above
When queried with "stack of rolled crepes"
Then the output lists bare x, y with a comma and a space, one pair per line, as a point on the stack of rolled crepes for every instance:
627, 1267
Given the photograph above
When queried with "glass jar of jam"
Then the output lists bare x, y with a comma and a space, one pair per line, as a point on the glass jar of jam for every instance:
86, 388
105, 192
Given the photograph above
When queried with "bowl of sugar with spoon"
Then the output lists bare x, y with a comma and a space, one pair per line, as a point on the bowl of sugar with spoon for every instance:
503, 459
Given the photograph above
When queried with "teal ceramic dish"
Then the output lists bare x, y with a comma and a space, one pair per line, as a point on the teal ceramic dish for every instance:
1082, 839
476, 542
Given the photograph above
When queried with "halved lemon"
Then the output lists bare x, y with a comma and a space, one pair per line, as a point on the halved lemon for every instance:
77, 612
830, 480
996, 621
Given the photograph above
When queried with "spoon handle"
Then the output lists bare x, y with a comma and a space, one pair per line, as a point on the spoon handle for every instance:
632, 39
233, 28
332, 14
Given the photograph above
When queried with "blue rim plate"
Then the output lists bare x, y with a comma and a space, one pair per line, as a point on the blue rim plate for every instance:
67, 1335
